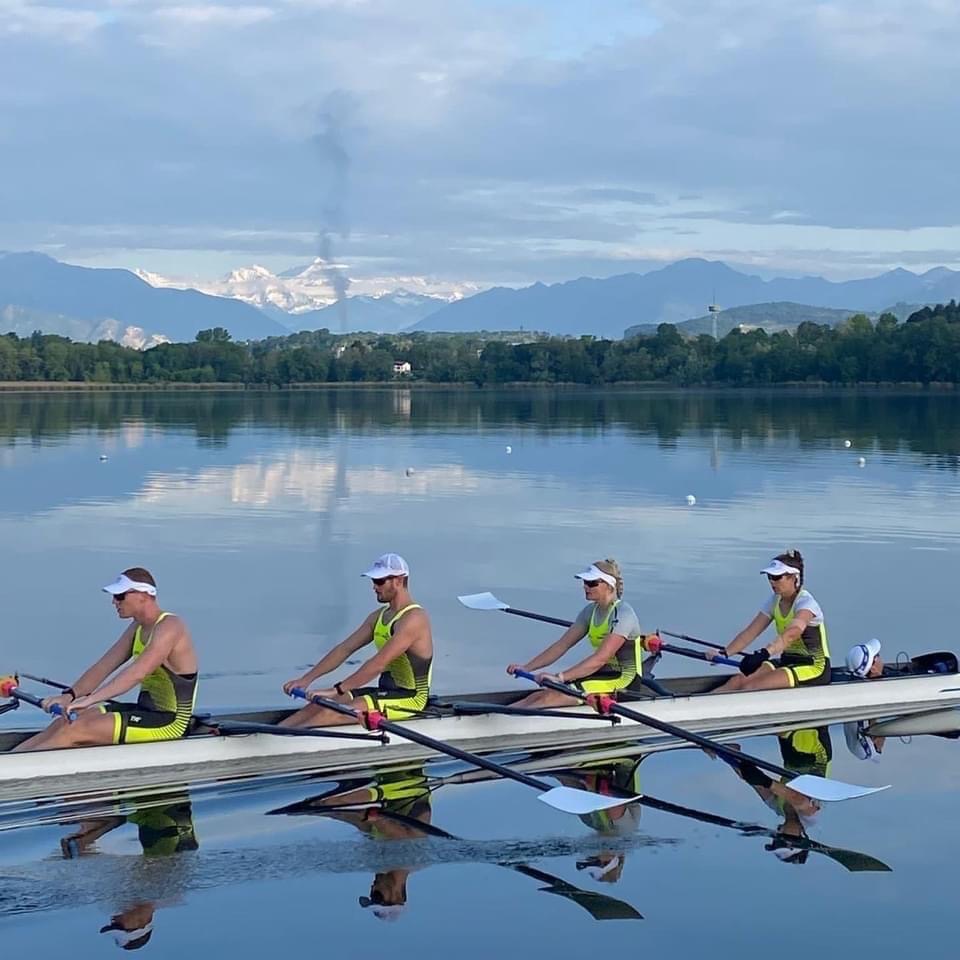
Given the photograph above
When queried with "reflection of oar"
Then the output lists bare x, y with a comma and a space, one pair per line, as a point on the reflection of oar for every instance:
850, 859
8, 688
819, 788
487, 601
598, 905
566, 799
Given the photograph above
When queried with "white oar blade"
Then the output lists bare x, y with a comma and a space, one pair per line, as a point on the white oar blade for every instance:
571, 800
482, 601
820, 788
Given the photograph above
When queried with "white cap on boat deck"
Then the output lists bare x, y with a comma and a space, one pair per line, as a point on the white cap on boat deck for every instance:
389, 565
861, 656
857, 741
123, 584
777, 568
593, 572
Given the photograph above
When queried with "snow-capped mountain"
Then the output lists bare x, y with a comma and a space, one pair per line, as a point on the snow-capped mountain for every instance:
306, 290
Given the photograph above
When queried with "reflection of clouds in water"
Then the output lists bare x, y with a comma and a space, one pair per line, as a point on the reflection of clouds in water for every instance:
298, 480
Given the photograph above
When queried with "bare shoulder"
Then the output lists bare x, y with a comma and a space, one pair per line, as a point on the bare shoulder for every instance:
173, 628
416, 619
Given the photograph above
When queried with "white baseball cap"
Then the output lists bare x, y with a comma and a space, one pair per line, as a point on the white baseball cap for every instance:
593, 572
858, 743
123, 584
389, 565
861, 656
777, 568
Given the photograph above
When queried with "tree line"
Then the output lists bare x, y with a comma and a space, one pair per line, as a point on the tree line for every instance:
924, 349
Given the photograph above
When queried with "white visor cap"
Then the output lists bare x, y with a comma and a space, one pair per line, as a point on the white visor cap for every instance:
777, 568
861, 656
595, 573
389, 565
123, 584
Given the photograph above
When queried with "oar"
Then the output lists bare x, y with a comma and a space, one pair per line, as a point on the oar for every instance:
487, 601
689, 639
8, 688
792, 658
567, 799
47, 683
819, 788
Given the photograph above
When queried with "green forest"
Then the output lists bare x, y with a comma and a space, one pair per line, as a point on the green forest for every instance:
924, 349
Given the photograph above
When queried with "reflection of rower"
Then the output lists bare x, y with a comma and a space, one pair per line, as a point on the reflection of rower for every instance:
394, 807
806, 751
397, 806
608, 778
162, 831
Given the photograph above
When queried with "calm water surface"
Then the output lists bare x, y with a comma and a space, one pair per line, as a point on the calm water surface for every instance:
257, 512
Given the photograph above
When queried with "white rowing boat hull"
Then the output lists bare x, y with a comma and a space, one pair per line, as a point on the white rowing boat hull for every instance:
206, 757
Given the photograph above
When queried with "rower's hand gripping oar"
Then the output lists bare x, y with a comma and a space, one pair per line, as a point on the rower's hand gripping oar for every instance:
487, 601
9, 688
818, 788
567, 799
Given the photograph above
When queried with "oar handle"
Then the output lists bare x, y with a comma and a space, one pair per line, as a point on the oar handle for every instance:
11, 690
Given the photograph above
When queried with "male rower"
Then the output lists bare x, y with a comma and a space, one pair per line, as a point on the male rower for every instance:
403, 660
155, 651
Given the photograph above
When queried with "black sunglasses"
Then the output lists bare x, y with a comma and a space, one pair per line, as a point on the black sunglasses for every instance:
120, 597
774, 577
592, 583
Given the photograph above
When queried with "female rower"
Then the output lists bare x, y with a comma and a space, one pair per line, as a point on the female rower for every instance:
801, 634
614, 633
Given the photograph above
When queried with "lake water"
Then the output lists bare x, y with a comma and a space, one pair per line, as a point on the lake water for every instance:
257, 512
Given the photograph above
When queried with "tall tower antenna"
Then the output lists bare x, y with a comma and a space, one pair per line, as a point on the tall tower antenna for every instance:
714, 310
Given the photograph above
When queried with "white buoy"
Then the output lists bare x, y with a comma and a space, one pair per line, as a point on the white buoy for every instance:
409, 471
103, 457
691, 499
862, 462
847, 444
509, 449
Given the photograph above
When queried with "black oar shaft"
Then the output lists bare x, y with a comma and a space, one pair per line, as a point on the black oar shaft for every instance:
689, 639
542, 617
439, 746
239, 727
670, 729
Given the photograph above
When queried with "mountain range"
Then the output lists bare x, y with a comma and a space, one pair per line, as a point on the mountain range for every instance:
140, 309
40, 293
674, 294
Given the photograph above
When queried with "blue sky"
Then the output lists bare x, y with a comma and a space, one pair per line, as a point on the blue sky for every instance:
482, 140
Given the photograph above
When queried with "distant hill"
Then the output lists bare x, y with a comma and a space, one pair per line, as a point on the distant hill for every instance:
41, 293
770, 316
674, 294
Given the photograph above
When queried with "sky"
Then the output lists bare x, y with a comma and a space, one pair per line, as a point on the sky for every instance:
483, 141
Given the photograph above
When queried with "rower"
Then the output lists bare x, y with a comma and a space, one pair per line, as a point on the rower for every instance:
155, 651
801, 635
401, 633
613, 629
863, 660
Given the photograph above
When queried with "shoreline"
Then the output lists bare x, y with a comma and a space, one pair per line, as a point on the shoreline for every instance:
657, 386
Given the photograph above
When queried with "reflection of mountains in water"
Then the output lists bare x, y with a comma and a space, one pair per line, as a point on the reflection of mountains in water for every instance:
107, 878
923, 423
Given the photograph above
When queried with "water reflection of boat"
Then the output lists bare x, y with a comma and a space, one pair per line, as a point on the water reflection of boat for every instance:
243, 752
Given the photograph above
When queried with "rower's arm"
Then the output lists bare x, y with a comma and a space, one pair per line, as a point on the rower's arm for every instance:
793, 632
158, 649
342, 651
557, 649
405, 633
749, 633
597, 659
113, 659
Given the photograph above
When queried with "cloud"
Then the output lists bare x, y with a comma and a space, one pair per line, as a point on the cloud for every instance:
484, 134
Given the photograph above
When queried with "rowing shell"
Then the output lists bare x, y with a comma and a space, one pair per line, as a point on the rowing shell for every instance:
203, 756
